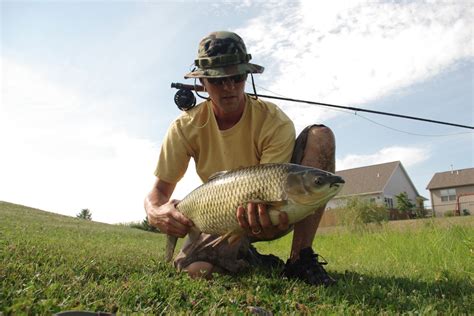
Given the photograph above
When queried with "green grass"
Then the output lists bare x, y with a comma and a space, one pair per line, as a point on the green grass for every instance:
51, 263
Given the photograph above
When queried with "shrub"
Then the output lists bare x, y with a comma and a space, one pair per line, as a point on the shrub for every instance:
420, 211
448, 213
358, 212
144, 225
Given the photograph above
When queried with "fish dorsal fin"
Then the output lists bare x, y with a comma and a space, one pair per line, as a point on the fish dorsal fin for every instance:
217, 174
224, 172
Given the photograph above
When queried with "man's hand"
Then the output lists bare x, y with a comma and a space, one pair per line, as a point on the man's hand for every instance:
256, 221
169, 220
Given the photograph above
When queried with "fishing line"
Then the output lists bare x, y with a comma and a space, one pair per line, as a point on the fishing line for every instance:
410, 133
369, 111
380, 124
377, 123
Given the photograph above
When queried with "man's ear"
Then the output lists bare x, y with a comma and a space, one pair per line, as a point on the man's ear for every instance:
202, 83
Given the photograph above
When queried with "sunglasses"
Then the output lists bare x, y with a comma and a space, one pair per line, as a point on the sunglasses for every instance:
234, 79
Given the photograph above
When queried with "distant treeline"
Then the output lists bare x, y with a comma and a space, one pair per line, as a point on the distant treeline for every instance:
143, 225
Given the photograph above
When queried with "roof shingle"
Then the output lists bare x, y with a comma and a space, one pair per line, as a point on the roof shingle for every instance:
367, 179
455, 178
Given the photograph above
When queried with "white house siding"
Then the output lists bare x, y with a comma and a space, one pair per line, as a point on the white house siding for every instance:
341, 201
397, 184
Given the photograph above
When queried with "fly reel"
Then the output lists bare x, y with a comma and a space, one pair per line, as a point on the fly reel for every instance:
184, 99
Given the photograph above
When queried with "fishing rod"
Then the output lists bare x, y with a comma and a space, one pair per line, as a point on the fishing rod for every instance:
185, 100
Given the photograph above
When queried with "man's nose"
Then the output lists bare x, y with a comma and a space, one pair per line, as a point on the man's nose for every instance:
228, 84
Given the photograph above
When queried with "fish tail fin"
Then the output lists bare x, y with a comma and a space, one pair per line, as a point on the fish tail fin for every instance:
194, 234
170, 246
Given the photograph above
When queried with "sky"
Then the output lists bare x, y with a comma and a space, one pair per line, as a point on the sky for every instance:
86, 97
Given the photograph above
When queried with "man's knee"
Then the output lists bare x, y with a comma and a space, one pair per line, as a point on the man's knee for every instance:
316, 147
199, 269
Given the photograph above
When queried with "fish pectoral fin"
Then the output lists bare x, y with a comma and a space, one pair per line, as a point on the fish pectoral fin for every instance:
274, 216
273, 209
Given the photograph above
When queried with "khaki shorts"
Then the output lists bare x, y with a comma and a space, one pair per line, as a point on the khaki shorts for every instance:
224, 257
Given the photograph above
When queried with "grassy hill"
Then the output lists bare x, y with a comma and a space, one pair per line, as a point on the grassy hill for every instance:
51, 263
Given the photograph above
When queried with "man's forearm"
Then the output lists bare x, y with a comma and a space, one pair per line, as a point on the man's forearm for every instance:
154, 200
159, 195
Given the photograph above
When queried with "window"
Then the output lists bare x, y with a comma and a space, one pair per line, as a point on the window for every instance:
448, 195
388, 202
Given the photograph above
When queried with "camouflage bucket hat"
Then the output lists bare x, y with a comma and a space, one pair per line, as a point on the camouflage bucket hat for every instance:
222, 54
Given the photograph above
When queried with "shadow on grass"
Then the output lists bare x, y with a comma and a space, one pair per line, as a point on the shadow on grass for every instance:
382, 293
401, 292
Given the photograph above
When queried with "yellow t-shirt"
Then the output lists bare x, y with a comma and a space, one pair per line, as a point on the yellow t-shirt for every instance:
263, 134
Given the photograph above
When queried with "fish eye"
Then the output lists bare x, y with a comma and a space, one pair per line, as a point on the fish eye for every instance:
317, 180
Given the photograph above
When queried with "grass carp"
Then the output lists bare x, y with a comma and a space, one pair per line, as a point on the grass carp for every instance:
295, 189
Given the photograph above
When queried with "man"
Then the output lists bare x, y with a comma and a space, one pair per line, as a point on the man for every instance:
231, 130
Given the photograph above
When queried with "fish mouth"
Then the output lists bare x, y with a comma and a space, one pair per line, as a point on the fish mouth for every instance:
332, 180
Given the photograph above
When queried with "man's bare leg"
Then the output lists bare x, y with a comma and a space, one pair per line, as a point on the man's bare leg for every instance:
320, 152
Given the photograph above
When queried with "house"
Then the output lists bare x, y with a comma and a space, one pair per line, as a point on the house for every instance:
452, 191
377, 183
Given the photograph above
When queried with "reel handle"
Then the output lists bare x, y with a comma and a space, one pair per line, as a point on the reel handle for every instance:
183, 86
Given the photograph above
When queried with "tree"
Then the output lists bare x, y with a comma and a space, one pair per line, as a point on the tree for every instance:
85, 214
404, 204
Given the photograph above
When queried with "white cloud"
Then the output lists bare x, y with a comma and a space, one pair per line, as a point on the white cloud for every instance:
353, 52
409, 156
61, 155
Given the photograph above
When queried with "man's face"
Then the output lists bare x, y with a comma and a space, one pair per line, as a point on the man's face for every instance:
227, 94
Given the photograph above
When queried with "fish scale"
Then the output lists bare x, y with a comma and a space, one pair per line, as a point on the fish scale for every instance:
212, 207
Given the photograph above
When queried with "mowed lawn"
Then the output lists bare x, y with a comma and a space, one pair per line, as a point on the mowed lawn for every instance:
51, 263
